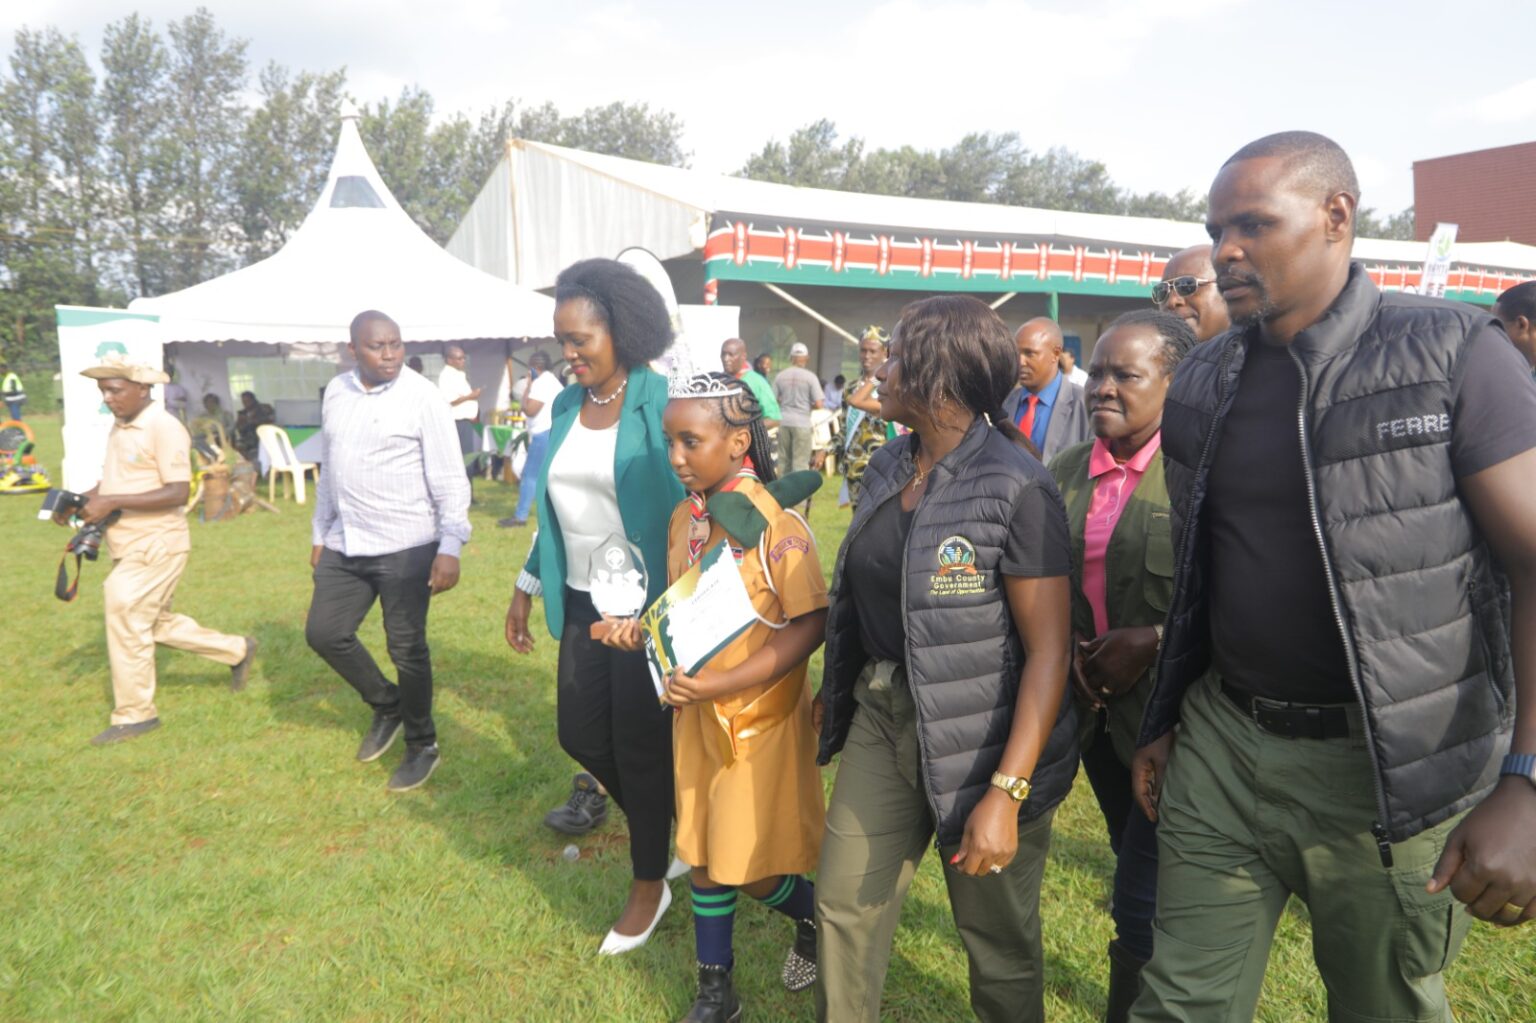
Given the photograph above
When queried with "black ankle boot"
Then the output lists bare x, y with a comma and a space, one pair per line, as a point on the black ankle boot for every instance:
799, 970
1124, 983
716, 1002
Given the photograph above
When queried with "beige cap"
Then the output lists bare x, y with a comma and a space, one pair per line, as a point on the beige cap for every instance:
117, 367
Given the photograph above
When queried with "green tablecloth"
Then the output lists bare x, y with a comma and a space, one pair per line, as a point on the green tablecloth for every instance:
502, 435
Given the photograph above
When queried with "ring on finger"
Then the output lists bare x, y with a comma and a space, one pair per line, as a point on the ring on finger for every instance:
994, 868
1510, 913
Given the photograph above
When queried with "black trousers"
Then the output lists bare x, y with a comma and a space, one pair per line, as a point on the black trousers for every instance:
345, 590
469, 444
611, 723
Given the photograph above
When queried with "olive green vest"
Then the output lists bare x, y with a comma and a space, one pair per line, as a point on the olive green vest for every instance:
1138, 571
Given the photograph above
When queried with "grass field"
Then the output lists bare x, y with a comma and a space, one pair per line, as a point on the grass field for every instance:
238, 864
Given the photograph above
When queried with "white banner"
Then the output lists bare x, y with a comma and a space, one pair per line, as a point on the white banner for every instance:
1437, 261
85, 337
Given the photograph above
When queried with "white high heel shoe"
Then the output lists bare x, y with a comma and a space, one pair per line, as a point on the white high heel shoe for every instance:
617, 944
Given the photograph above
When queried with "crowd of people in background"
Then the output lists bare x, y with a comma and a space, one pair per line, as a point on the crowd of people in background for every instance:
1264, 569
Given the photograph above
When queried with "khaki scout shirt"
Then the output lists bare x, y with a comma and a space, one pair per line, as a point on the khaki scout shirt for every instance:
143, 455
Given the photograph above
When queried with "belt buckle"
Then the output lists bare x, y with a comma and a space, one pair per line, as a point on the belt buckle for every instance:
1280, 718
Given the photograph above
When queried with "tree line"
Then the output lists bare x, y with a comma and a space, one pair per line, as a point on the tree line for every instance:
150, 170
156, 173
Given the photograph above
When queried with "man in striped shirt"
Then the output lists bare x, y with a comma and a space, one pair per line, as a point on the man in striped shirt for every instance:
391, 514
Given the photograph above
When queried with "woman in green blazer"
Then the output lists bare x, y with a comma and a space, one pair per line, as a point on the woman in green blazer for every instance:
1122, 579
607, 473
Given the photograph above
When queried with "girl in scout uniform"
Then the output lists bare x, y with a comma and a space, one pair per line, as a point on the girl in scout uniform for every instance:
749, 795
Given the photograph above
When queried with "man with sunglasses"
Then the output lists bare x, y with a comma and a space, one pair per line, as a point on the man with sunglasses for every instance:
1350, 476
1188, 290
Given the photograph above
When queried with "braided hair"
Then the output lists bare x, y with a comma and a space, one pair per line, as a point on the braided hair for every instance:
738, 409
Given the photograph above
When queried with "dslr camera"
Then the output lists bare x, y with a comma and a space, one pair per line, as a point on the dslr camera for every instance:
86, 543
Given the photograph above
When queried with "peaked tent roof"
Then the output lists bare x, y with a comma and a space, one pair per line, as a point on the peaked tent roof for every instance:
356, 250
546, 206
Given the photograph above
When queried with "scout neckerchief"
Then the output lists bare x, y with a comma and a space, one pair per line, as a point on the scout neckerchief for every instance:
698, 513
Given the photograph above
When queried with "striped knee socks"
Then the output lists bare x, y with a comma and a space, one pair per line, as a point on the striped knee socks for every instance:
714, 915
795, 897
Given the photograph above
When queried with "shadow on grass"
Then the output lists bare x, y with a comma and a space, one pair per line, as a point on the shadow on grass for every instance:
501, 770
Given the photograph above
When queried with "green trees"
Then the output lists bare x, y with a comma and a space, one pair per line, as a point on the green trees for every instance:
155, 169
986, 167
981, 167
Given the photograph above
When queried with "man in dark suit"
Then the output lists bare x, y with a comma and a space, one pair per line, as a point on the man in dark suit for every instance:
1046, 406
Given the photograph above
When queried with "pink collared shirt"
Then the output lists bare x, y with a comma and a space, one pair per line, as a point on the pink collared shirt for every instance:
1114, 482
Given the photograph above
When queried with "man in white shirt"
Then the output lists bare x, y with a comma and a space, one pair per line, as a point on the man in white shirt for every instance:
1073, 371
391, 514
538, 398
453, 382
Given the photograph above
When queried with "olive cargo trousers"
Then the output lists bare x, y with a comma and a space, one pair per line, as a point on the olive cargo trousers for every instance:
1247, 819
879, 827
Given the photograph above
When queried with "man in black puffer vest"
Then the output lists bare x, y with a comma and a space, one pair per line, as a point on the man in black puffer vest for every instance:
1351, 477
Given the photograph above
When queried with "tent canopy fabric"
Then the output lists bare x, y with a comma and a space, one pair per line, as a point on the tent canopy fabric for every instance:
546, 206
356, 250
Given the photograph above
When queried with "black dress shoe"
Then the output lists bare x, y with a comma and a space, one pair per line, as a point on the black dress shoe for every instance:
799, 970
381, 735
415, 769
585, 810
716, 1001
122, 733
240, 672
511, 522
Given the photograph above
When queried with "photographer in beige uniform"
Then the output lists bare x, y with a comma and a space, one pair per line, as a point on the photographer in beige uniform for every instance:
145, 478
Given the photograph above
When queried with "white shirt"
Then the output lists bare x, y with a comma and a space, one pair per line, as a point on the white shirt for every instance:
1078, 376
585, 495
454, 384
546, 387
391, 474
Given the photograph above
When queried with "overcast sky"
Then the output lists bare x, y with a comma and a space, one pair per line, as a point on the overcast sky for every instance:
1161, 91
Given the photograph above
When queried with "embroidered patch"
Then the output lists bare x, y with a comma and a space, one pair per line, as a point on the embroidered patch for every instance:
789, 543
957, 575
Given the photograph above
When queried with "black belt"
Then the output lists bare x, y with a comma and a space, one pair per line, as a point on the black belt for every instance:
1291, 720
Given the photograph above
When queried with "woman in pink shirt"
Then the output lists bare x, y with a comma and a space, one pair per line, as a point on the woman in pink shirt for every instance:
1122, 579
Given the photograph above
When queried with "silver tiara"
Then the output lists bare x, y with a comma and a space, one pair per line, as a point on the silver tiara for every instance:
703, 385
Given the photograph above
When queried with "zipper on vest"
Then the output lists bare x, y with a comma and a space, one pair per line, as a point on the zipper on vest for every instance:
1179, 580
1222, 399
917, 705
1351, 655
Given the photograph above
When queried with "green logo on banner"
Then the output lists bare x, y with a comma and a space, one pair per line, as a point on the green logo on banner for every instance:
102, 351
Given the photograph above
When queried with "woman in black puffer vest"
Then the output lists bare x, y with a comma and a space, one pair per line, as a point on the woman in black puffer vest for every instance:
947, 652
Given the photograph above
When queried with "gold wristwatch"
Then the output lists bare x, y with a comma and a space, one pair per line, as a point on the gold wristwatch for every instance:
1017, 788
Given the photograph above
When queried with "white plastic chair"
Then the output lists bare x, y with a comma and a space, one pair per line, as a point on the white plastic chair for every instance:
823, 426
278, 449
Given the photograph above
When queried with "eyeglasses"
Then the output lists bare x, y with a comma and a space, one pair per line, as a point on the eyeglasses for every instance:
1185, 286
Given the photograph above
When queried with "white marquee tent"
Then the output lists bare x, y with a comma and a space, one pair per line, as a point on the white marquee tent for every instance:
356, 250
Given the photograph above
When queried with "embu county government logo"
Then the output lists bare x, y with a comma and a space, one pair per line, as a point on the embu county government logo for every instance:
957, 575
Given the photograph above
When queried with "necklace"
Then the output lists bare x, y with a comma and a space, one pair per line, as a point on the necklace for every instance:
919, 475
611, 398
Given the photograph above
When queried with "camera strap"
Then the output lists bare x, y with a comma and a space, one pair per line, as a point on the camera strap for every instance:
62, 587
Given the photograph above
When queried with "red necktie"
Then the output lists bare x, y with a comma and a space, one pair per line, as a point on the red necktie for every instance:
1027, 424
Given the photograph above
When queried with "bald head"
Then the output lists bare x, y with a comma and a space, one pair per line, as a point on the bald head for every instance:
1203, 309
1039, 343
1318, 164
364, 318
733, 356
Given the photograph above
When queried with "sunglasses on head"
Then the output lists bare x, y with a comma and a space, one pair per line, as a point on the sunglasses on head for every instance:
1185, 286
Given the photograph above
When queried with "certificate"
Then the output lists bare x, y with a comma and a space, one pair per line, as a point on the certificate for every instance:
697, 617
